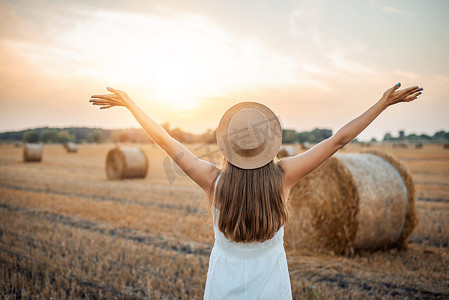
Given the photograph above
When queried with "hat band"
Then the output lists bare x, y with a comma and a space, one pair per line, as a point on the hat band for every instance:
248, 152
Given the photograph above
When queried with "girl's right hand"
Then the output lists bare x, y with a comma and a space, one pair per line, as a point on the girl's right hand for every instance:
117, 98
393, 96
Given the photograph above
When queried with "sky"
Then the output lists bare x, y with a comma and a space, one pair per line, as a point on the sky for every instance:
316, 63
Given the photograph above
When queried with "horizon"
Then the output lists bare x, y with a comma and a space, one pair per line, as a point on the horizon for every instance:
393, 134
316, 64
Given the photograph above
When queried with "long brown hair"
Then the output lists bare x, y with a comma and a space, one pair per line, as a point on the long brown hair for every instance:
251, 202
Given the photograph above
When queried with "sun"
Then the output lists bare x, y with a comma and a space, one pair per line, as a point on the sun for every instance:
177, 82
176, 71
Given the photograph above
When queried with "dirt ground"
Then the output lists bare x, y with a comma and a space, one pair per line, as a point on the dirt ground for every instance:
67, 232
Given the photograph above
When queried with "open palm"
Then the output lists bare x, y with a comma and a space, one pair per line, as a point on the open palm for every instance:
393, 95
117, 98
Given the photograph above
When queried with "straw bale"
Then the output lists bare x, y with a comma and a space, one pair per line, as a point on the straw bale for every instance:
319, 218
286, 151
400, 145
411, 219
71, 147
365, 144
305, 146
353, 201
32, 152
126, 162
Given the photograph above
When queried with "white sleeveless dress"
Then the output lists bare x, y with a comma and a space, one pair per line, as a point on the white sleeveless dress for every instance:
247, 270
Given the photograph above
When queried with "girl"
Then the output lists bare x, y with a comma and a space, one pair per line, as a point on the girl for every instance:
248, 194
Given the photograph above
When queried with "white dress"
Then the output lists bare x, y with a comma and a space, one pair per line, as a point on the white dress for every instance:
247, 270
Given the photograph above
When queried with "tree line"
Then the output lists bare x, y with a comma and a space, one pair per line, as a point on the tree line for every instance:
317, 135
99, 135
138, 135
439, 137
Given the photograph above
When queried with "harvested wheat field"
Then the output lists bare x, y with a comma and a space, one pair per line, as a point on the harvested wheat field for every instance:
67, 232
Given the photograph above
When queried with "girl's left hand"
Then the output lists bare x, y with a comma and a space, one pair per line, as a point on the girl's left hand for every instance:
393, 95
117, 98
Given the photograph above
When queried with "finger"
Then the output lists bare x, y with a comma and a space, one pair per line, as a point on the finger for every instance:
392, 89
106, 97
412, 96
108, 103
105, 100
105, 107
410, 90
115, 91
401, 95
102, 96
95, 101
409, 99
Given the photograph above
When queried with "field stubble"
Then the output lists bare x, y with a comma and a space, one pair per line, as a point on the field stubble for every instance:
68, 232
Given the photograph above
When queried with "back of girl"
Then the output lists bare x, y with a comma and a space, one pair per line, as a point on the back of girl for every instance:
248, 194
249, 209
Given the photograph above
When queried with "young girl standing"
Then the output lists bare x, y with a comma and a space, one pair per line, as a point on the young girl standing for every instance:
248, 194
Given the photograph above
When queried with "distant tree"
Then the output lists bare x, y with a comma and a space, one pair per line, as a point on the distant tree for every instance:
425, 137
412, 137
441, 136
48, 136
64, 136
12, 135
208, 136
319, 135
302, 137
95, 137
177, 134
373, 140
387, 137
401, 135
123, 137
31, 136
288, 136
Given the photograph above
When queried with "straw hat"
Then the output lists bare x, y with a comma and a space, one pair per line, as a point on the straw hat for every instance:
249, 135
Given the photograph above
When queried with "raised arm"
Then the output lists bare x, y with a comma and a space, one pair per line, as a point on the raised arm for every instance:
202, 172
298, 166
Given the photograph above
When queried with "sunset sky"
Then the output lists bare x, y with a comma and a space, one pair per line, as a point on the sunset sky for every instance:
314, 63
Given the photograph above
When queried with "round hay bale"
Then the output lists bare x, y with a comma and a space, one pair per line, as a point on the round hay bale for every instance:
361, 201
305, 146
286, 151
71, 147
411, 219
400, 145
126, 162
32, 152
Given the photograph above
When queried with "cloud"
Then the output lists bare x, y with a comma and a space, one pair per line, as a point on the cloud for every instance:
134, 48
392, 10
321, 55
174, 57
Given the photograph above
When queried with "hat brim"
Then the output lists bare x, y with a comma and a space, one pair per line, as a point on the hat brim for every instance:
269, 150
